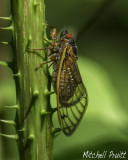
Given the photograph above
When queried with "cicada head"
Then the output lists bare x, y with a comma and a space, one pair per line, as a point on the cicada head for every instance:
66, 35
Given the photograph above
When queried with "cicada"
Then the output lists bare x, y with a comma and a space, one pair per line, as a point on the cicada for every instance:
67, 81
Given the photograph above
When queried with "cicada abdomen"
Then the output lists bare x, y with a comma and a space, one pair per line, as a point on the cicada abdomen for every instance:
67, 83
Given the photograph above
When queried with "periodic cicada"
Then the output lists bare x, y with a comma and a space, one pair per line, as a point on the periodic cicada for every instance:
67, 81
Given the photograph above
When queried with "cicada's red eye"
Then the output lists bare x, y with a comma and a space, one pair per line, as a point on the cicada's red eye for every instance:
68, 35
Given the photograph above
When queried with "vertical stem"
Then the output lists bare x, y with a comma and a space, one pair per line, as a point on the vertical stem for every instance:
34, 129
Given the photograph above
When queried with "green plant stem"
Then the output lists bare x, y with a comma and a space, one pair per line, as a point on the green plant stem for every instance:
34, 129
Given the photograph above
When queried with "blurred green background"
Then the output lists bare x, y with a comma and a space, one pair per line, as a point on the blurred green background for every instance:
101, 31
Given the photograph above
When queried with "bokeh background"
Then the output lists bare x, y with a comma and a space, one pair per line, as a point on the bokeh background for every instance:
100, 28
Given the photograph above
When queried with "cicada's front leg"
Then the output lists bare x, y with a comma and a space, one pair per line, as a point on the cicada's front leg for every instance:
53, 59
51, 45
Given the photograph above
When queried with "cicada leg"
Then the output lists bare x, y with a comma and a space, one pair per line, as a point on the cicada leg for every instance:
51, 47
48, 41
43, 64
37, 49
53, 59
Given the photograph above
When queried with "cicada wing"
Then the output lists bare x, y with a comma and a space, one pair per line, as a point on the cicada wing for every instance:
72, 97
72, 115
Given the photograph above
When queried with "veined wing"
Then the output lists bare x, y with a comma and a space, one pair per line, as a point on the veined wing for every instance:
72, 99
